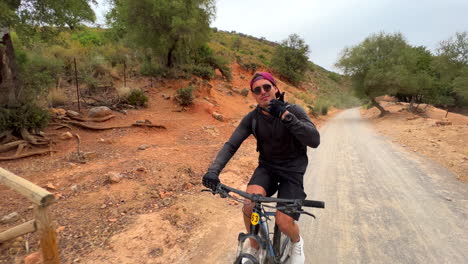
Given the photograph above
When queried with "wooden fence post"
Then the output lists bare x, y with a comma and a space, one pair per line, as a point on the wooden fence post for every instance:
125, 73
77, 86
47, 236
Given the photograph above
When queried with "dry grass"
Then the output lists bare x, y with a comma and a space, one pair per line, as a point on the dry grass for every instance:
57, 97
123, 91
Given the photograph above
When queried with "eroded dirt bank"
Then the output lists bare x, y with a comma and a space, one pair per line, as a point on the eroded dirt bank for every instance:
154, 212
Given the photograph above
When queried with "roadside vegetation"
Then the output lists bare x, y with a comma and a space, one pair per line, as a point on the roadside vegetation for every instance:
43, 64
145, 39
385, 64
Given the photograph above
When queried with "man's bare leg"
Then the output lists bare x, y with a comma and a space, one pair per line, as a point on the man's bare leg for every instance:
287, 225
247, 209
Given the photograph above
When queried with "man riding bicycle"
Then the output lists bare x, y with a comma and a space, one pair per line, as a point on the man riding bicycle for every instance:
283, 132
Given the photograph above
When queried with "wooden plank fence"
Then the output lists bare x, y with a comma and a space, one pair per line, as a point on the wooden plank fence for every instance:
41, 223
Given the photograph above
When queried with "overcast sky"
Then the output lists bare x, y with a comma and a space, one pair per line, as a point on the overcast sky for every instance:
329, 26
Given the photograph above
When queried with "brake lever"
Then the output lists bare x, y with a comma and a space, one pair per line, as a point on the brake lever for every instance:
208, 190
307, 213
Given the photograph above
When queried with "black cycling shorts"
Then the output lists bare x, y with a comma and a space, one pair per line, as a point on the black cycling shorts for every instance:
289, 185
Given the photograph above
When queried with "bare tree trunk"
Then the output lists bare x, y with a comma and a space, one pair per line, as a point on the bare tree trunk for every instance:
411, 106
9, 87
170, 53
381, 109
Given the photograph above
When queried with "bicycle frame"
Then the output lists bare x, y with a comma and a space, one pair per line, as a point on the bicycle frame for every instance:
259, 221
266, 242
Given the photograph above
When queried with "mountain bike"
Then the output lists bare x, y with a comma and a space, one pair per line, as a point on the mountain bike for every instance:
273, 247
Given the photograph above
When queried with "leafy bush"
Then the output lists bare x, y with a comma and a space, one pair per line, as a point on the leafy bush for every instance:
137, 97
304, 97
185, 96
249, 66
28, 116
203, 71
115, 54
56, 97
320, 107
290, 58
149, 69
334, 76
244, 92
91, 84
88, 37
37, 73
324, 110
205, 56
222, 64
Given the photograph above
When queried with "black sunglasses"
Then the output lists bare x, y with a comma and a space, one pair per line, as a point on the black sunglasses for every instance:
258, 90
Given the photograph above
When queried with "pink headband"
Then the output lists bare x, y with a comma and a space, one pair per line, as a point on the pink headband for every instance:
262, 75
267, 76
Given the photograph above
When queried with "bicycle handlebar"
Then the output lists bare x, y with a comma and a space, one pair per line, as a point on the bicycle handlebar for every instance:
262, 199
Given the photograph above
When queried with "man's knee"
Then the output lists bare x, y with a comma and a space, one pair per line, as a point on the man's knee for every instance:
252, 189
284, 221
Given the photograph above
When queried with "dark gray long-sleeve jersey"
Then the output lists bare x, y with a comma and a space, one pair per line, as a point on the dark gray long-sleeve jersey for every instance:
282, 145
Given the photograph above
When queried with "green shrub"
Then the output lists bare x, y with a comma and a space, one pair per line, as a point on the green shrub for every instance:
222, 64
204, 58
244, 92
290, 58
91, 84
334, 76
88, 37
37, 73
305, 97
249, 66
202, 54
321, 106
137, 97
149, 69
185, 96
203, 71
324, 110
28, 116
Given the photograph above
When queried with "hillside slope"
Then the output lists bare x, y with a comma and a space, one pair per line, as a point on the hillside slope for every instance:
154, 212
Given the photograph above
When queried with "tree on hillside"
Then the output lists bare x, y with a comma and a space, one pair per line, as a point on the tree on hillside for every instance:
20, 117
26, 16
378, 66
451, 67
290, 58
418, 83
169, 29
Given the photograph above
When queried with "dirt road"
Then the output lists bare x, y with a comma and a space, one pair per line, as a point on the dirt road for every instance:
383, 204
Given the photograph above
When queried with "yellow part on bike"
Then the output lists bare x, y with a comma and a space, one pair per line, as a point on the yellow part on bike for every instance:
254, 218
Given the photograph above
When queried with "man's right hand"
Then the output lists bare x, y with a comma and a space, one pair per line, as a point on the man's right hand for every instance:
211, 180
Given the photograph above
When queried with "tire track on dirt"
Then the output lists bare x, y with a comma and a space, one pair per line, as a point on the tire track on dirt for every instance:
384, 205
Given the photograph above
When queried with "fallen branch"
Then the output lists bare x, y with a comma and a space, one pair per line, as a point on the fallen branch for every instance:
78, 142
8, 146
20, 148
32, 139
93, 127
149, 125
8, 136
40, 152
96, 119
60, 126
